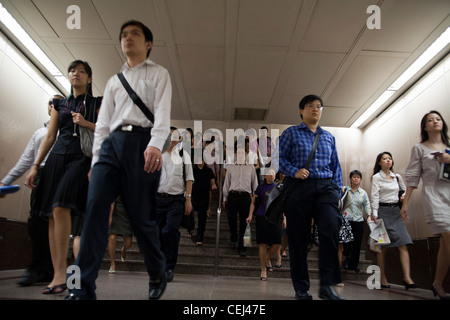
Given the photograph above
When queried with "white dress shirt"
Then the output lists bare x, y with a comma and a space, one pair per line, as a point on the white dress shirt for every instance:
241, 178
27, 158
152, 84
171, 180
384, 190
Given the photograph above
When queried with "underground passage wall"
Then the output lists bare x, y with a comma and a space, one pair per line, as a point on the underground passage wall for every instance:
23, 110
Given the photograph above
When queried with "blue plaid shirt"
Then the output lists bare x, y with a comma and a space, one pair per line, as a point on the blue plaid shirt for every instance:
294, 147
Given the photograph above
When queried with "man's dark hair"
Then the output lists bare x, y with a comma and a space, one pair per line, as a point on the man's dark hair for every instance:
147, 33
307, 99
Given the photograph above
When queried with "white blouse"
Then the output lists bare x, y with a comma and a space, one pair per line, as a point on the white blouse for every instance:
385, 190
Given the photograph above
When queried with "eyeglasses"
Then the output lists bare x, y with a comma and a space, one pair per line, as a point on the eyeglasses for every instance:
311, 106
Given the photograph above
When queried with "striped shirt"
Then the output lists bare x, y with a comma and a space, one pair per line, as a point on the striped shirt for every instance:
294, 148
360, 202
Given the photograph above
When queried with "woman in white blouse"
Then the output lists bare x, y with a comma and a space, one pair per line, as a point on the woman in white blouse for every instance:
385, 205
426, 161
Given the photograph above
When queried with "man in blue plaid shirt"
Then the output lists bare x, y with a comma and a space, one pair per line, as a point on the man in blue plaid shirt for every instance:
316, 195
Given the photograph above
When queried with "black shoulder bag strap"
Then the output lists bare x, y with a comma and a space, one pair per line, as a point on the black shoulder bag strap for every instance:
137, 101
313, 150
308, 162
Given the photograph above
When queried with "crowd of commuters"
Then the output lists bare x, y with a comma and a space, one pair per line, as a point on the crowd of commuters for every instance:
138, 183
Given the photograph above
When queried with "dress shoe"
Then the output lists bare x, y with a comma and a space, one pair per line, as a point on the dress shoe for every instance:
242, 252
303, 295
157, 288
30, 278
78, 296
169, 275
328, 293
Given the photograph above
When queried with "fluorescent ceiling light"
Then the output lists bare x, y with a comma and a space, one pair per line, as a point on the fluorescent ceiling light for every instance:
436, 47
33, 48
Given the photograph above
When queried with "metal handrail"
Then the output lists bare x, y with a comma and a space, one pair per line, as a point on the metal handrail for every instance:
219, 211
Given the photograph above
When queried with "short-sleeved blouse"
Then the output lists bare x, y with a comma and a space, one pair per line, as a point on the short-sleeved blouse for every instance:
261, 191
435, 192
67, 142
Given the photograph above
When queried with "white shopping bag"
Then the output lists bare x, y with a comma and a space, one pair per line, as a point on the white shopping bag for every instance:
248, 236
378, 232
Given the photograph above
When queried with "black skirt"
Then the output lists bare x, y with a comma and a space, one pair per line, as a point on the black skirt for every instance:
64, 183
267, 233
120, 224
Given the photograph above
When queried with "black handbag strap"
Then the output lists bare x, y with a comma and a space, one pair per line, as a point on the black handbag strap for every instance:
137, 101
308, 162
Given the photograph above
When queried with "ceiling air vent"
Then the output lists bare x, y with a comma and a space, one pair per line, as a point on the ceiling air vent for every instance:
249, 114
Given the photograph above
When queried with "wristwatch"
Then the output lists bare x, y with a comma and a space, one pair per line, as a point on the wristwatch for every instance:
188, 195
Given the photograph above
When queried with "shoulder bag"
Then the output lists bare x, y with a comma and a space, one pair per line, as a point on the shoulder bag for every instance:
137, 101
400, 193
345, 201
276, 198
86, 134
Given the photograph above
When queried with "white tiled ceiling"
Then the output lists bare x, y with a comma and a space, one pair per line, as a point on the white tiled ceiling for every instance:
257, 54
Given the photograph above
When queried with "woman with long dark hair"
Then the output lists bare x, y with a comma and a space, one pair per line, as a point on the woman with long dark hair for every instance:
62, 191
384, 199
427, 159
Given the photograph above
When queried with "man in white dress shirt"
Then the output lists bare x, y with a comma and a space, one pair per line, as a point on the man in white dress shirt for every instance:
240, 183
127, 161
173, 199
40, 269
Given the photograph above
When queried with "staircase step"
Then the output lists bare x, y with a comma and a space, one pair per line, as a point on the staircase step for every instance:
194, 259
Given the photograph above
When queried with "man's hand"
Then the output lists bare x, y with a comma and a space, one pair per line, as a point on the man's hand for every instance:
302, 174
153, 159
29, 181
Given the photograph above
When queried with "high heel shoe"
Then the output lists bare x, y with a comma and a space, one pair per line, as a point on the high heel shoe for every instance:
410, 285
55, 289
435, 293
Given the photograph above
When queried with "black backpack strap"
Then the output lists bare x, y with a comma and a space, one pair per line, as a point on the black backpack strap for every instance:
137, 101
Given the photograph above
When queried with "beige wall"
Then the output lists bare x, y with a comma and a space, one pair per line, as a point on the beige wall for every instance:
23, 110
397, 132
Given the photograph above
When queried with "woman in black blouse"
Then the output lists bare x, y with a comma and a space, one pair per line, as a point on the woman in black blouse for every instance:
63, 186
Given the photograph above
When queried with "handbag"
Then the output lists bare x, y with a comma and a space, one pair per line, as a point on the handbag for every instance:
276, 198
86, 134
86, 140
138, 102
345, 232
400, 193
345, 201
